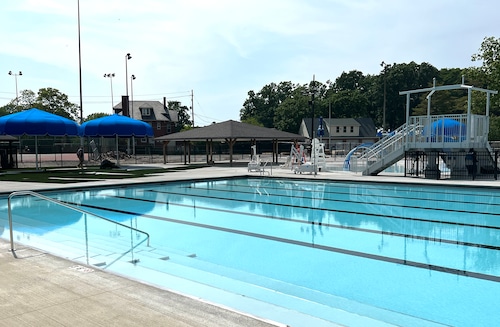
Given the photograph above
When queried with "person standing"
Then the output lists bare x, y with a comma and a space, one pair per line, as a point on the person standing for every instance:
80, 155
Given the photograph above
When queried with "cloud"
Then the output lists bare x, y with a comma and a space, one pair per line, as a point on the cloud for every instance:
221, 49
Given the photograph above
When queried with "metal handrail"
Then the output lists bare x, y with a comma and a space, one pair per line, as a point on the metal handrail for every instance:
43, 197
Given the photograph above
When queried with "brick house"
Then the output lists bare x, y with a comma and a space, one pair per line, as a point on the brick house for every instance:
154, 113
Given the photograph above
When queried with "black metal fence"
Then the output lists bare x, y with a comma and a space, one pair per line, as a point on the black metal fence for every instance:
461, 165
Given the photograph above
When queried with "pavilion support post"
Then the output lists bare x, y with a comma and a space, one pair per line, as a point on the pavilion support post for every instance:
275, 151
211, 151
207, 154
165, 143
184, 152
231, 142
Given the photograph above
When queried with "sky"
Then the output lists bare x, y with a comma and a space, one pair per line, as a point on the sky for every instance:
211, 53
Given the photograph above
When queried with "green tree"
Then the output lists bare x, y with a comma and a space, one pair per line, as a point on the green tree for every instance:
252, 121
47, 99
289, 114
348, 96
488, 75
52, 100
262, 106
25, 100
184, 120
95, 116
402, 77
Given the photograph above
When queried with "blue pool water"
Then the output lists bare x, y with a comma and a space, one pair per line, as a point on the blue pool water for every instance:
395, 253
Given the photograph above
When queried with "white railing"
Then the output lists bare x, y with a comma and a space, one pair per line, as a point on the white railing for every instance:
129, 250
425, 132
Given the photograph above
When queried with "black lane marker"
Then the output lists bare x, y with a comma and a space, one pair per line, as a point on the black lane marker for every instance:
333, 210
315, 246
396, 196
358, 229
358, 202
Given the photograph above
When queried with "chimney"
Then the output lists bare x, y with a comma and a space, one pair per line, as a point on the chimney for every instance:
125, 104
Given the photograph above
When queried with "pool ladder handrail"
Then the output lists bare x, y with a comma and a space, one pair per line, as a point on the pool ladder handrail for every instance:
43, 197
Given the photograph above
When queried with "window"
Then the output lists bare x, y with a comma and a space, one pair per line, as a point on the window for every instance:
146, 111
158, 125
169, 128
345, 129
338, 129
352, 129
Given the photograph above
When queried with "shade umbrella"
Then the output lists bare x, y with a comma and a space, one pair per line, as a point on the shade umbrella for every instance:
116, 126
36, 122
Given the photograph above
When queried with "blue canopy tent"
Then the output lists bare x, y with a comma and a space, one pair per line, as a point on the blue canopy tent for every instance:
447, 130
116, 126
36, 122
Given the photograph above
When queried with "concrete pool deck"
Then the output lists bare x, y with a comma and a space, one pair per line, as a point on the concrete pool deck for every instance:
41, 289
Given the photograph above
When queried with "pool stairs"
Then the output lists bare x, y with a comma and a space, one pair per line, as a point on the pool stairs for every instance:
186, 273
124, 252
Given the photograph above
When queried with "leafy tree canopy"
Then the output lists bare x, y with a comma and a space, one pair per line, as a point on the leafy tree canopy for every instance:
353, 94
47, 99
95, 116
184, 120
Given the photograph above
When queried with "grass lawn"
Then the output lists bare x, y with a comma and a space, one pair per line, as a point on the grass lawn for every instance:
73, 175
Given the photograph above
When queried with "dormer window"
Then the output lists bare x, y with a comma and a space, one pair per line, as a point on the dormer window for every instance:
146, 111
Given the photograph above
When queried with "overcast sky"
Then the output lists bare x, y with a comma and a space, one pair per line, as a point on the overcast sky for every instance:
221, 49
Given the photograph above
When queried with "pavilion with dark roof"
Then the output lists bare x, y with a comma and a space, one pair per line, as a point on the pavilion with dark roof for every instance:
230, 132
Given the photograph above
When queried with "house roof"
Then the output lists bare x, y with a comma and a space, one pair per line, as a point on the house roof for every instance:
366, 125
158, 112
232, 130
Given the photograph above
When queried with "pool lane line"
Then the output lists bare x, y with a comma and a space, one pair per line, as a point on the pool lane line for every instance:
429, 189
353, 228
375, 203
405, 262
396, 196
342, 211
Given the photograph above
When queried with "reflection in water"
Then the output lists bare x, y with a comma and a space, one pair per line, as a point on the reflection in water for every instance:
235, 222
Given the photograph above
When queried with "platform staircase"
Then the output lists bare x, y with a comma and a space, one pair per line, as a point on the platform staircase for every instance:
414, 136
386, 152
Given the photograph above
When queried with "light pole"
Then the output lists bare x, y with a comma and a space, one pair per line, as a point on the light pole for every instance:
311, 102
15, 77
127, 58
131, 109
384, 66
125, 106
111, 75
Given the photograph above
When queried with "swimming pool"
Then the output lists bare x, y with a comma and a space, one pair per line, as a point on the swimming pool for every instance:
392, 253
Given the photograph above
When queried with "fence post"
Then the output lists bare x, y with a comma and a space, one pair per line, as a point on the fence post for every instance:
496, 165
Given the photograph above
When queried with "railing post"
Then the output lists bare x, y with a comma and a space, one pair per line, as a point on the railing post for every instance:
11, 232
10, 226
496, 165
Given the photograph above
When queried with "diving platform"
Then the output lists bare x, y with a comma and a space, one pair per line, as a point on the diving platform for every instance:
432, 135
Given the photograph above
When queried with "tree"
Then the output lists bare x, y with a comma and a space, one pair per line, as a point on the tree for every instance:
52, 100
184, 120
252, 121
95, 116
26, 100
47, 99
348, 96
289, 115
262, 106
488, 75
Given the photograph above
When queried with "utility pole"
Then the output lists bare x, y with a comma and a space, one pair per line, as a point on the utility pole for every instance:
192, 107
313, 154
384, 66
